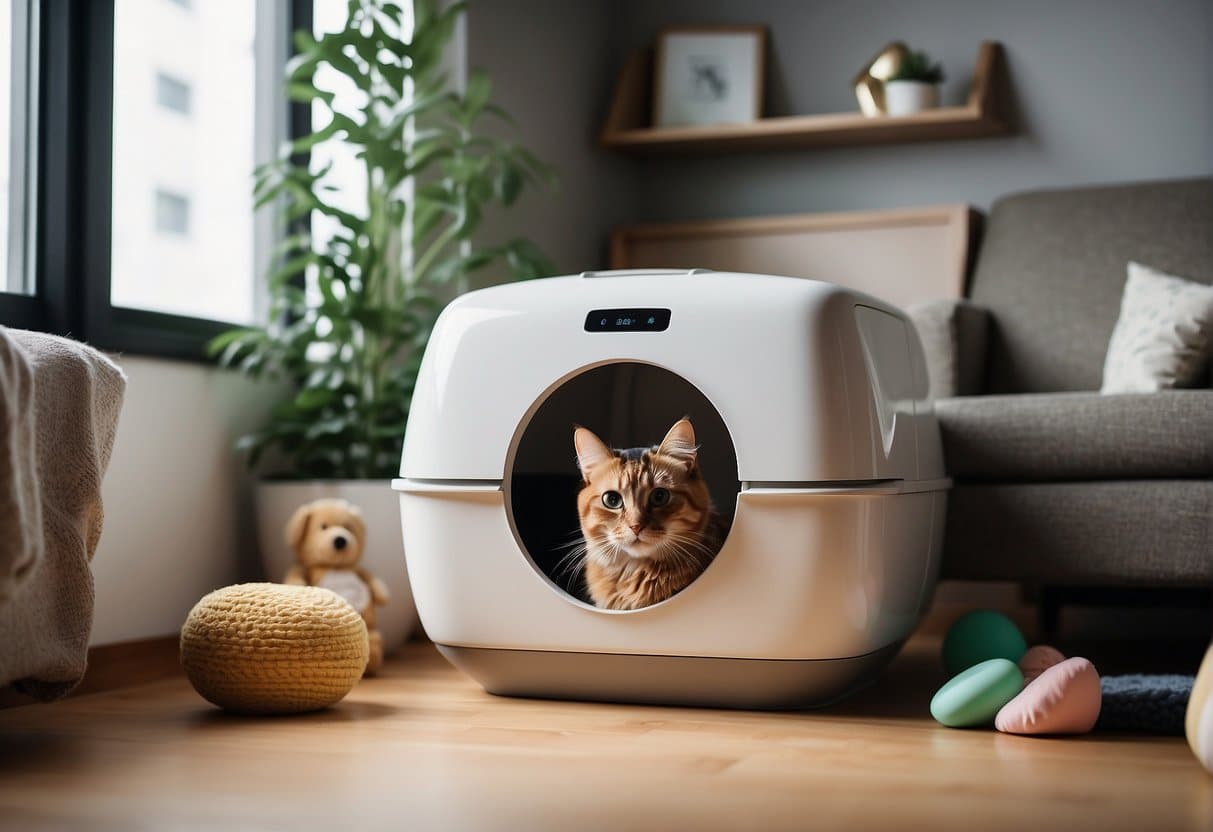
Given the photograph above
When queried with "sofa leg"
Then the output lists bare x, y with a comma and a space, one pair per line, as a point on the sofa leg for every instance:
1049, 611
1052, 598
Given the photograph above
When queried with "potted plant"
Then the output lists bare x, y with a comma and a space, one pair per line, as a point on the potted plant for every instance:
355, 292
914, 86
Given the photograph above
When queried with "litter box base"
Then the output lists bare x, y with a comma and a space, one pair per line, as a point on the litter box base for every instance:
761, 684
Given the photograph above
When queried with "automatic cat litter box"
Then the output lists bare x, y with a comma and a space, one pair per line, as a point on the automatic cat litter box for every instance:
816, 440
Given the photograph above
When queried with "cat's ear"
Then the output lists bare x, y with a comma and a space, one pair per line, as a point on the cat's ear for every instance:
680, 443
591, 451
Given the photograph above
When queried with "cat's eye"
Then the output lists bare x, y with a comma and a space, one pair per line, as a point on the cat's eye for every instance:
612, 499
323, 526
659, 497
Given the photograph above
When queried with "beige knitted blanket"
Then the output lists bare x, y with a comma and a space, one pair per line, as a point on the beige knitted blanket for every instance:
59, 405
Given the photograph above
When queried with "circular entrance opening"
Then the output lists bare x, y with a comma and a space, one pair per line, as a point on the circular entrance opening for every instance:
631, 509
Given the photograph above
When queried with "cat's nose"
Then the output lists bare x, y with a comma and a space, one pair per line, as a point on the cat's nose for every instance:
636, 528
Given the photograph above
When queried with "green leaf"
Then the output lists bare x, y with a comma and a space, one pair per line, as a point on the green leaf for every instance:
527, 261
314, 398
476, 96
306, 143
252, 364
327, 427
301, 67
332, 48
306, 93
467, 219
393, 12
494, 110
424, 301
540, 170
508, 183
425, 104
447, 270
291, 268
222, 341
304, 42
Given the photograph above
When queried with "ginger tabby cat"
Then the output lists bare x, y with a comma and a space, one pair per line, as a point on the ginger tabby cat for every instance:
647, 519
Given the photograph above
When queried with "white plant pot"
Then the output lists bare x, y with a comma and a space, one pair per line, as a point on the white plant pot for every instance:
904, 98
383, 554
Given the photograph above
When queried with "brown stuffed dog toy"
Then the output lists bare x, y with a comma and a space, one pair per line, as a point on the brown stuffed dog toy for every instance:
328, 536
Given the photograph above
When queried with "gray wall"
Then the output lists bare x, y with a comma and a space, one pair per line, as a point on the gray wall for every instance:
553, 64
178, 499
1104, 91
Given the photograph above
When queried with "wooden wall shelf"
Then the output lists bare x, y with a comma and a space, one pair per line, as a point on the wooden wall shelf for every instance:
626, 131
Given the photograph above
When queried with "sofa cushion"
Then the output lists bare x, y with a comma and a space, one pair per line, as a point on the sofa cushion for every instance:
1078, 436
1142, 533
1163, 337
1051, 271
953, 335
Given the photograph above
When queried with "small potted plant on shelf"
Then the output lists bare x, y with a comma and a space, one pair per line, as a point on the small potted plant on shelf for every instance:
914, 86
356, 287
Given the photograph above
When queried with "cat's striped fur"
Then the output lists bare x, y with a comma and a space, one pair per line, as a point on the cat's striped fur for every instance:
647, 519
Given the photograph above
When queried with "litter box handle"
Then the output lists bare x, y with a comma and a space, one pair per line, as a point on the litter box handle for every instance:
644, 272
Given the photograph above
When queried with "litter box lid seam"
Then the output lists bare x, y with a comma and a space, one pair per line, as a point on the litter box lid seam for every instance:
409, 485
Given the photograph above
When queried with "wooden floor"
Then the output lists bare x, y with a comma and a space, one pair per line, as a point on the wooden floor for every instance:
422, 747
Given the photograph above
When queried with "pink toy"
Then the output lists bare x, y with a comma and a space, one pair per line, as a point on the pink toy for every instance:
1038, 659
1064, 699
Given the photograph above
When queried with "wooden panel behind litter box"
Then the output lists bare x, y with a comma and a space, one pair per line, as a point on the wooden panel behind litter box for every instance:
902, 256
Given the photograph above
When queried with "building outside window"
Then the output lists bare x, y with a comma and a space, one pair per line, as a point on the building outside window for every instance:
172, 94
182, 239
6, 126
172, 213
17, 121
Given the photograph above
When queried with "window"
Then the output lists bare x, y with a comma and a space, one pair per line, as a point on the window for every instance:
172, 213
6, 127
195, 256
16, 124
121, 221
172, 94
346, 173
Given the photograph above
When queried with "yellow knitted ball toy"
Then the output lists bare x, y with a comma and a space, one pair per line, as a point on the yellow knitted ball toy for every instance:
273, 649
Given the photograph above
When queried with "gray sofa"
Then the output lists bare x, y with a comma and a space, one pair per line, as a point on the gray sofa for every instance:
1055, 484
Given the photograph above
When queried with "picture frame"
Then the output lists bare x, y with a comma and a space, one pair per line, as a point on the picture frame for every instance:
708, 75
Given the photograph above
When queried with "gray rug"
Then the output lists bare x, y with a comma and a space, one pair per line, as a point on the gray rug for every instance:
1139, 702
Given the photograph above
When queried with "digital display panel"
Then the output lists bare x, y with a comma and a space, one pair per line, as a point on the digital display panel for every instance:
627, 320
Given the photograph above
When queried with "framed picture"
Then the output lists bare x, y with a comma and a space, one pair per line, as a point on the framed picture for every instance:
708, 75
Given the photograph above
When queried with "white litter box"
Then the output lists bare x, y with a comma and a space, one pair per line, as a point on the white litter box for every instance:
817, 437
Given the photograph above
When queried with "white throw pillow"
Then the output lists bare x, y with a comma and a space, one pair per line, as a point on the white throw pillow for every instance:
1163, 336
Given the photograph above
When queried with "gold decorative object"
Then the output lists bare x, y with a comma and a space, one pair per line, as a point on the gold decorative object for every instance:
869, 83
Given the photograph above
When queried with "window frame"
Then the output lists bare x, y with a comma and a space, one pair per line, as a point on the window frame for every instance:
18, 303
73, 196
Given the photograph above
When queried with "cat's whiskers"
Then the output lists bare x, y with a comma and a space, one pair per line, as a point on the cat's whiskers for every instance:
694, 563
604, 550
674, 554
572, 563
576, 539
696, 541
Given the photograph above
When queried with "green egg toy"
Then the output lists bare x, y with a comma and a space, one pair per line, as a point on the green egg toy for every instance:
977, 695
981, 635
